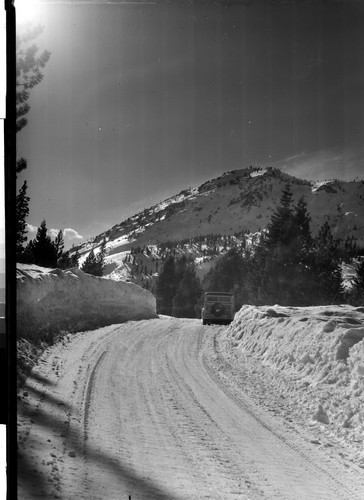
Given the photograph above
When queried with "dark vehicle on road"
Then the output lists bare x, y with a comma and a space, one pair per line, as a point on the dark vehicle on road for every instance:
218, 307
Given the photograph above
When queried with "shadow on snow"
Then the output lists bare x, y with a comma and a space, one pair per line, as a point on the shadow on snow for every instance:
39, 484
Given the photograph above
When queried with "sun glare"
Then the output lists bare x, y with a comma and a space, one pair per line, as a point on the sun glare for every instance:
26, 10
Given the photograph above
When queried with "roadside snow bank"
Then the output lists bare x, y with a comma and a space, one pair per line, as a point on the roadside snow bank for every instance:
55, 300
317, 356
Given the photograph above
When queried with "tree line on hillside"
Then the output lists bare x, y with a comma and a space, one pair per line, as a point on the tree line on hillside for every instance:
207, 245
44, 252
95, 263
145, 261
288, 266
178, 288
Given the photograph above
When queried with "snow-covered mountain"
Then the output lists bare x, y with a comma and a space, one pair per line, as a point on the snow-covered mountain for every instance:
236, 203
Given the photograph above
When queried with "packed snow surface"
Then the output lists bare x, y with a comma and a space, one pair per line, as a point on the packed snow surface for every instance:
314, 361
54, 300
157, 409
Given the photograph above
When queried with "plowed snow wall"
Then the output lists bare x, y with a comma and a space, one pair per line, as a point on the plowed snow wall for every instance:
55, 300
316, 355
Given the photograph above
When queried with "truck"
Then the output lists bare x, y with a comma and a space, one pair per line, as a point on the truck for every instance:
218, 308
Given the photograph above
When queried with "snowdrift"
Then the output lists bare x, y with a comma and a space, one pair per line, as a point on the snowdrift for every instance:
316, 355
55, 300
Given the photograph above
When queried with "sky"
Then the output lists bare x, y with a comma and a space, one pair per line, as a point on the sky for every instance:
142, 99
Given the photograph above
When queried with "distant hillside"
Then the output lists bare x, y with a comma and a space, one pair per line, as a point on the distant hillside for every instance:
238, 203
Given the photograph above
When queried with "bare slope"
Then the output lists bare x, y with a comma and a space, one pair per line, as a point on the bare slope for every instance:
241, 200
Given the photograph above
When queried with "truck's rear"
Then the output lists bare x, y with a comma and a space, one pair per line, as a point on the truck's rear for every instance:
218, 308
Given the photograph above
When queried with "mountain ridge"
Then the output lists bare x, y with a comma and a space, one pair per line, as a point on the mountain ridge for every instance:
235, 203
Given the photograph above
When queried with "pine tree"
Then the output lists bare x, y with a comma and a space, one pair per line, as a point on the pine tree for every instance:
59, 244
277, 268
297, 258
22, 211
301, 223
166, 286
227, 272
263, 278
358, 280
90, 265
94, 264
28, 75
180, 266
75, 259
67, 261
230, 275
280, 228
28, 70
43, 249
101, 257
28, 256
281, 271
187, 294
275, 257
289, 267
356, 294
325, 268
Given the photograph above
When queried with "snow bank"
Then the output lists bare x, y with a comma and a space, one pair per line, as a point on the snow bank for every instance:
54, 300
317, 358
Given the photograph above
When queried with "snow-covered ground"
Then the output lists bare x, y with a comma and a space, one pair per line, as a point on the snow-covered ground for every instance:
159, 409
173, 395
311, 359
53, 300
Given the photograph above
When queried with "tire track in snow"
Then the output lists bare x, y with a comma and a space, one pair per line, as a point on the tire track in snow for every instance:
115, 424
223, 445
87, 400
313, 459
151, 416
208, 442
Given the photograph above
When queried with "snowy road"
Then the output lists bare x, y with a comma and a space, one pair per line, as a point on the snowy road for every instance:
142, 410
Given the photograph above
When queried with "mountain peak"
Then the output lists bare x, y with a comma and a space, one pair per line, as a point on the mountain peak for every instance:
237, 202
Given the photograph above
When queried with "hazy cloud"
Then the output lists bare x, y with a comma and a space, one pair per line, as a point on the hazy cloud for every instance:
53, 232
71, 234
68, 233
31, 228
326, 164
295, 157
